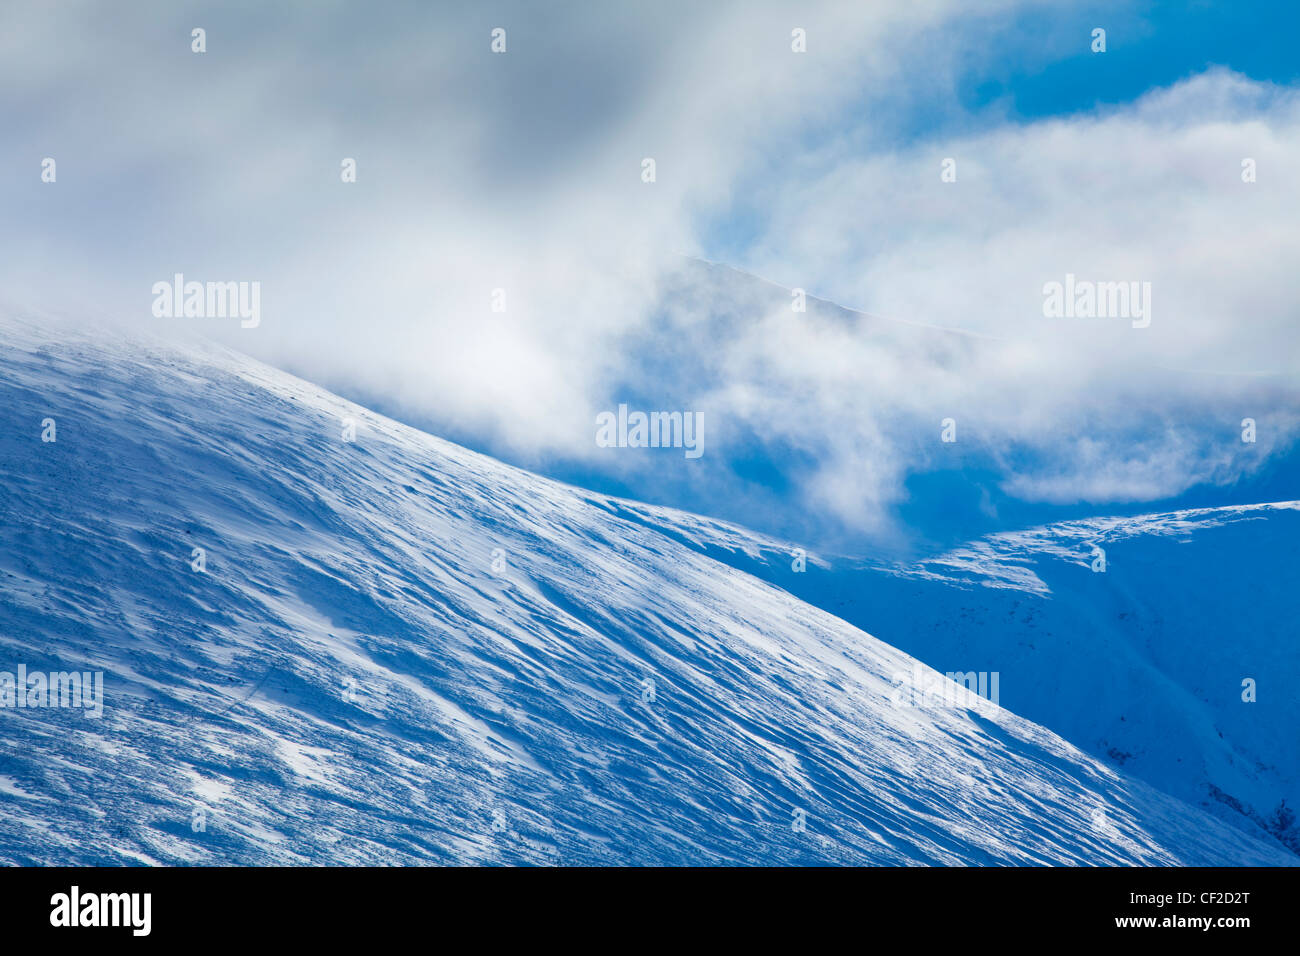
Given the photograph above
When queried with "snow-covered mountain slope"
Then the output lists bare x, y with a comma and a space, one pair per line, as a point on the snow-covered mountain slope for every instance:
401, 651
1176, 661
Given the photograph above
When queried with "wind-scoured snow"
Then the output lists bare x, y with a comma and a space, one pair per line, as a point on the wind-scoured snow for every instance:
1005, 559
402, 652
1176, 660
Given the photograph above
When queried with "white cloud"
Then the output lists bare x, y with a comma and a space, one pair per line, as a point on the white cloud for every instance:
522, 172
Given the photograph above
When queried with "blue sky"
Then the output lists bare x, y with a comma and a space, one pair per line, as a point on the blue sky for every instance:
1149, 45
